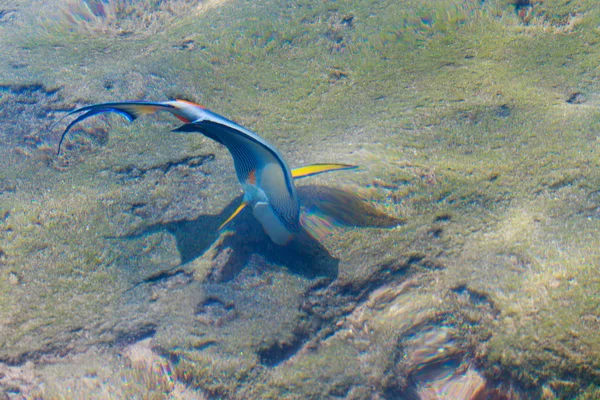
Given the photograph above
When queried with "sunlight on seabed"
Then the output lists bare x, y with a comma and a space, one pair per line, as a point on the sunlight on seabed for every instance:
121, 17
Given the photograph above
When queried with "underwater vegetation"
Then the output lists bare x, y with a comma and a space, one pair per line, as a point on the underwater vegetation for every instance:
119, 17
472, 269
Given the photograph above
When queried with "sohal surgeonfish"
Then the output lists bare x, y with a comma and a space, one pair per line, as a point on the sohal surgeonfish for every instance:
266, 179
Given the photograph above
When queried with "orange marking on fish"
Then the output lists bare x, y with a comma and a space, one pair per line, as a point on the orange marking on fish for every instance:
252, 177
140, 109
190, 103
146, 109
185, 120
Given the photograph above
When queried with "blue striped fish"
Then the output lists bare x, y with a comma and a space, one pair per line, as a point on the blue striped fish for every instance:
266, 179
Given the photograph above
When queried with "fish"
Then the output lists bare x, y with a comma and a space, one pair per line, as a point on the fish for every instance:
266, 179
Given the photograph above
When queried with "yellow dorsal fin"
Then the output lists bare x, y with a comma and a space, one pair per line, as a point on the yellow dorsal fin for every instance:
235, 213
314, 169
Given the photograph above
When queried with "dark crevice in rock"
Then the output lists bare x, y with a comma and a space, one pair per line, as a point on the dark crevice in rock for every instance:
143, 332
7, 186
27, 99
327, 303
576, 98
165, 275
388, 272
563, 182
68, 345
30, 88
205, 345
475, 297
136, 206
6, 15
519, 4
214, 311
503, 111
211, 303
279, 351
443, 218
22, 358
415, 259
435, 232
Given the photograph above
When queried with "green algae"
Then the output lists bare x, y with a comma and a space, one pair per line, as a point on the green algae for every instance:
458, 116
339, 371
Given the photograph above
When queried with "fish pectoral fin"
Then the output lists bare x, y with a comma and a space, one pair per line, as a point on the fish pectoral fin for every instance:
315, 169
232, 216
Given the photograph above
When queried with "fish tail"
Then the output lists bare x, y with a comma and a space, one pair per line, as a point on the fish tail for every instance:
130, 110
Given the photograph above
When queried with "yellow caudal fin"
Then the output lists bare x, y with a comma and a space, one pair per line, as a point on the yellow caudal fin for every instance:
315, 169
235, 214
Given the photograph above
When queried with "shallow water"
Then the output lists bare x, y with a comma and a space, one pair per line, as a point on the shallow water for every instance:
459, 261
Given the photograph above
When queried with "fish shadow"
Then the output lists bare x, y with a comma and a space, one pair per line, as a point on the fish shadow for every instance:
304, 255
